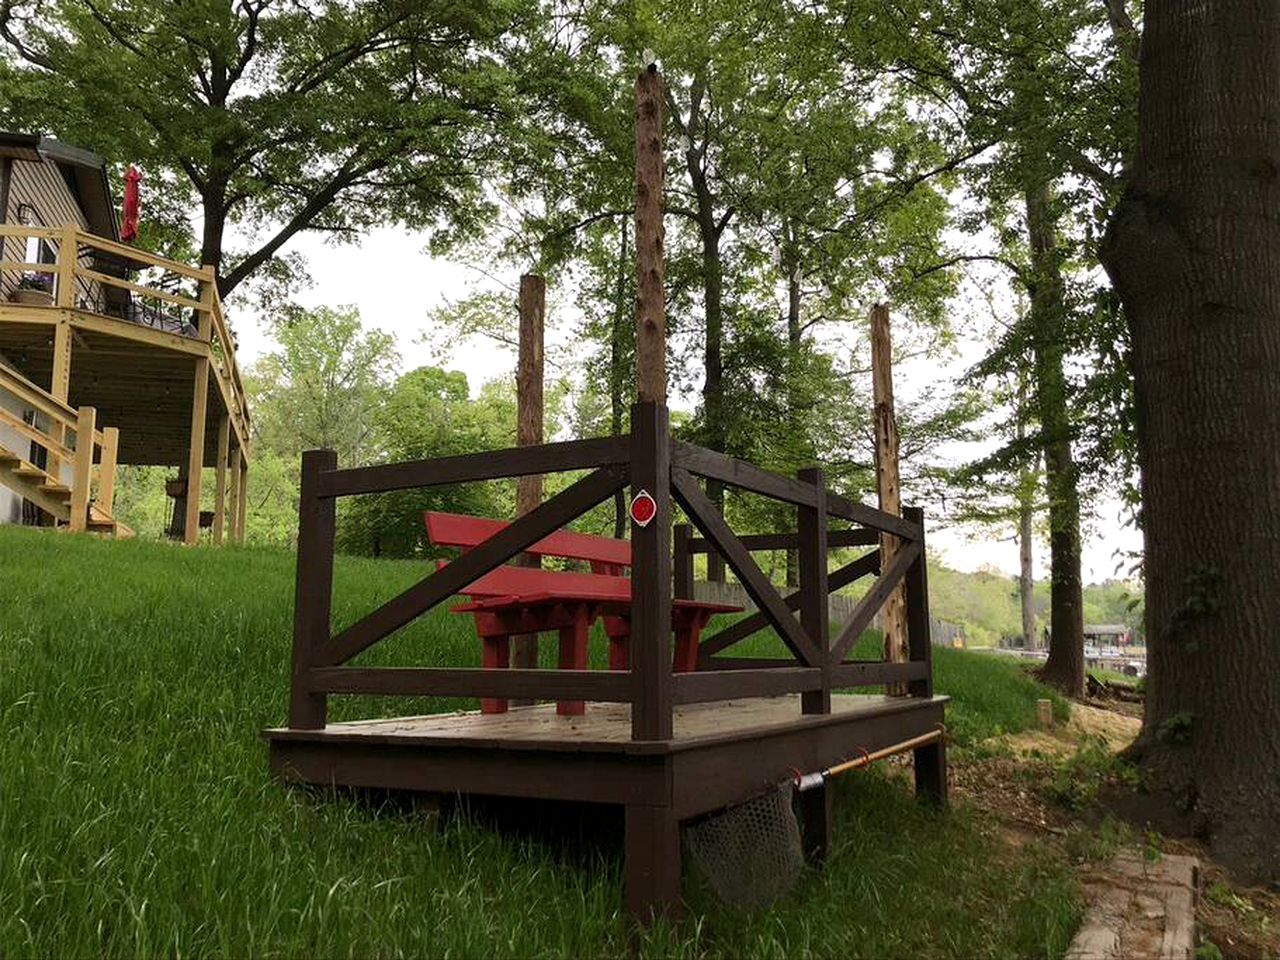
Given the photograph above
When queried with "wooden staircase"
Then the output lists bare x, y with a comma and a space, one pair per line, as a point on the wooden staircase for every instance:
68, 438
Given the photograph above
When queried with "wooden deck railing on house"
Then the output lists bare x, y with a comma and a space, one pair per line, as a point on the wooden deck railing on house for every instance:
196, 310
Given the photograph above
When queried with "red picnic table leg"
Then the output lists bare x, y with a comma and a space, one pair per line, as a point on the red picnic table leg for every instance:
573, 655
688, 624
496, 656
618, 630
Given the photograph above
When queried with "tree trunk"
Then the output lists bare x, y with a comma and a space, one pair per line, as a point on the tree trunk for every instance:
1026, 529
1026, 575
1194, 253
793, 344
1065, 666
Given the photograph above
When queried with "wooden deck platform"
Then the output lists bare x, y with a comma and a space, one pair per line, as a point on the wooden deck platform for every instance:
721, 752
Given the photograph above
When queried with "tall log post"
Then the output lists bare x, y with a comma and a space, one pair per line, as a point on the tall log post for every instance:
652, 872
529, 421
896, 649
651, 306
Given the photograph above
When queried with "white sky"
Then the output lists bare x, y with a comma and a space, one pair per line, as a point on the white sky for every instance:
355, 275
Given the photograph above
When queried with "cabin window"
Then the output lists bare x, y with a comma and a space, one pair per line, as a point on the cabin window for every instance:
38, 250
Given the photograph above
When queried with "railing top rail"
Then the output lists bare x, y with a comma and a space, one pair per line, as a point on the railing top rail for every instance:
22, 230
747, 476
42, 400
491, 465
95, 242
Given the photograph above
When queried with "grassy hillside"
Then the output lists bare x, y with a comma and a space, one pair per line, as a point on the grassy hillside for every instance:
136, 816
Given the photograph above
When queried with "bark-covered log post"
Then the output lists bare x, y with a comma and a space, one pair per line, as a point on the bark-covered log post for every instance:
651, 316
529, 421
887, 483
652, 834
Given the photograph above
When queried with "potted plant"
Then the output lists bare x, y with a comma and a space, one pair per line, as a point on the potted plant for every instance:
34, 289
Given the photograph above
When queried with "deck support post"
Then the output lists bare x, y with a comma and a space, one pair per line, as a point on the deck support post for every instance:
233, 492
930, 760
195, 452
313, 591
651, 882
83, 475
815, 806
220, 484
242, 496
651, 576
107, 470
60, 387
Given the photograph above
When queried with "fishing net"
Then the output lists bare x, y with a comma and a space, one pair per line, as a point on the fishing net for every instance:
751, 854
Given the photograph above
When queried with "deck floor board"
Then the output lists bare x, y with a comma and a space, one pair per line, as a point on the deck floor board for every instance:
603, 726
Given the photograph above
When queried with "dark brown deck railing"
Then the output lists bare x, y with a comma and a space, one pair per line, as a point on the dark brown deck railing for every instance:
647, 459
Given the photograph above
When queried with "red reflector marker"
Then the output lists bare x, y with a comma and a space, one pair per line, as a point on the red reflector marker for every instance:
643, 508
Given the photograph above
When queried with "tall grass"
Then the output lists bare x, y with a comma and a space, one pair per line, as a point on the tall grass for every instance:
137, 818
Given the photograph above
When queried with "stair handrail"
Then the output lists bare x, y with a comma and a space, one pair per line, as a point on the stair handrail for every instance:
71, 423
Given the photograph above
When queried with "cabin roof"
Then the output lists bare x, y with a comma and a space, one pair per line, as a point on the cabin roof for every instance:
86, 173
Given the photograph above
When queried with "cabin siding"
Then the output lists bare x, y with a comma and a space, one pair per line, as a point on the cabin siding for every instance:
40, 186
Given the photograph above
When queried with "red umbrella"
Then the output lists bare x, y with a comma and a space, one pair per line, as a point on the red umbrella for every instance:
132, 204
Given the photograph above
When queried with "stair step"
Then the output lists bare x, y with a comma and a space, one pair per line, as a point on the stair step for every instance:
60, 490
26, 471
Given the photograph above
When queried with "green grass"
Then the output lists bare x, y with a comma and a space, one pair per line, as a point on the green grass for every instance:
137, 818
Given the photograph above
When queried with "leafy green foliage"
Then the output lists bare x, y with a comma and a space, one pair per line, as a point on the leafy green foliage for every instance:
283, 117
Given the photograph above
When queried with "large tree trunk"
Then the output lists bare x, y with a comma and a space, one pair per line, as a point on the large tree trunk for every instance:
1026, 528
794, 301
1065, 666
1194, 252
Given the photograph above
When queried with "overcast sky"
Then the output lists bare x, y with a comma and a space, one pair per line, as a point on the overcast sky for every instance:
351, 275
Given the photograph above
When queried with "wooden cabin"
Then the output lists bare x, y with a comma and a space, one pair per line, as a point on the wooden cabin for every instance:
108, 355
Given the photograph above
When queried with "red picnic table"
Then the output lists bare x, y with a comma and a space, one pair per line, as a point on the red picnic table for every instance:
511, 601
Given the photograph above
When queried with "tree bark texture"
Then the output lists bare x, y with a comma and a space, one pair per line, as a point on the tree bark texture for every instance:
529, 426
894, 614
1194, 253
1065, 667
651, 324
1026, 531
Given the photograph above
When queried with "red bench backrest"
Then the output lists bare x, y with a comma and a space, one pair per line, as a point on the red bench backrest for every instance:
605, 554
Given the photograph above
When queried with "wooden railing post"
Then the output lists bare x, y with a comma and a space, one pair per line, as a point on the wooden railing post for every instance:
814, 589
651, 575
83, 468
68, 253
313, 593
916, 583
208, 295
816, 806
107, 470
683, 582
